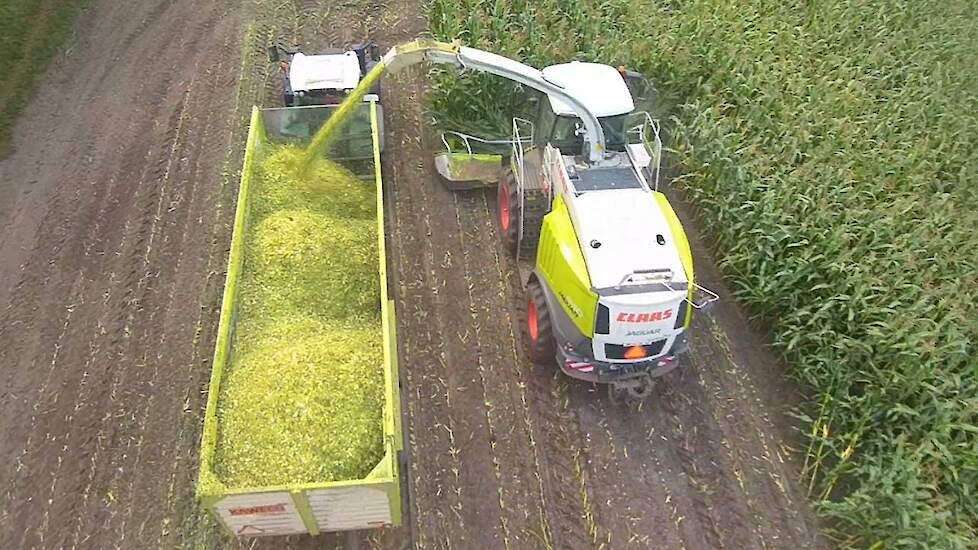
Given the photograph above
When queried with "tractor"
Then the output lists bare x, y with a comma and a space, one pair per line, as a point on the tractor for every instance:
326, 78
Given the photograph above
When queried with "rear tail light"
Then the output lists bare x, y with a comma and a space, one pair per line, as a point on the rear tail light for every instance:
636, 352
614, 351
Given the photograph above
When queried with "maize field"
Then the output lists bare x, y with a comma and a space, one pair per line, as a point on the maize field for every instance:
301, 399
830, 149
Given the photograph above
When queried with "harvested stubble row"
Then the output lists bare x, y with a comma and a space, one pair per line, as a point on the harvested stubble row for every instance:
302, 398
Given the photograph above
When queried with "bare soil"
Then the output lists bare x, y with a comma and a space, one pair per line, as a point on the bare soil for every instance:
115, 214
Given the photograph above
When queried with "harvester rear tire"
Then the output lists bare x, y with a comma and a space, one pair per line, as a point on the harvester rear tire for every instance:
539, 327
508, 212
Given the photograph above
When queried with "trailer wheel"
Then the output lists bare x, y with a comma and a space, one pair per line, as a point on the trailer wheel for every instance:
539, 327
508, 211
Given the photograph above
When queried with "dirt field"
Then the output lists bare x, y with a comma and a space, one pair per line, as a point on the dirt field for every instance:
114, 226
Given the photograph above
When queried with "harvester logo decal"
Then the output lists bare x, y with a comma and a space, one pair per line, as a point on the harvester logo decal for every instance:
253, 510
644, 317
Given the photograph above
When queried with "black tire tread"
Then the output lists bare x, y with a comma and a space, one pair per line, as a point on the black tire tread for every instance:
510, 238
542, 351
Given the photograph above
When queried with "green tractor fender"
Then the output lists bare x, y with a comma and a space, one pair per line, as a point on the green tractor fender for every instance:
561, 271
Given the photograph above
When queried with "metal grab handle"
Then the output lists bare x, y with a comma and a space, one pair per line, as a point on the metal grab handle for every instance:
665, 273
710, 298
466, 138
652, 143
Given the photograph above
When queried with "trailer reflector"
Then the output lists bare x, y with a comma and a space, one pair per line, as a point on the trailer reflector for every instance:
579, 366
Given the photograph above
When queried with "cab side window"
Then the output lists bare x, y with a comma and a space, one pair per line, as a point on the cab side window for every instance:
545, 123
565, 136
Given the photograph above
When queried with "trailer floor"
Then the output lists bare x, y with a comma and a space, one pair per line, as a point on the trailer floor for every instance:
115, 214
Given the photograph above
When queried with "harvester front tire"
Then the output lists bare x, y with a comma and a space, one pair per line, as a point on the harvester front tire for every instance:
539, 326
508, 212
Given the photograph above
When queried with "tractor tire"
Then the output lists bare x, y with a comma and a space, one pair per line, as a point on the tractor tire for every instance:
539, 327
508, 212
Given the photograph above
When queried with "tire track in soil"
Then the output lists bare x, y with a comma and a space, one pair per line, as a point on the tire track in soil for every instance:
512, 357
470, 382
568, 487
457, 344
132, 302
423, 356
719, 506
78, 406
159, 424
561, 471
761, 470
657, 434
97, 279
164, 172
182, 478
634, 497
512, 445
20, 334
46, 420
751, 396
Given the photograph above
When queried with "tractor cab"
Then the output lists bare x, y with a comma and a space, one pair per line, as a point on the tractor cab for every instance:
313, 85
325, 78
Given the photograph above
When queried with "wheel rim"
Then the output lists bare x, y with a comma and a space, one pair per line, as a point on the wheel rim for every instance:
531, 321
504, 207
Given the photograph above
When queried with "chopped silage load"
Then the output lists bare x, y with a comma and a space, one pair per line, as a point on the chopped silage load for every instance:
301, 404
305, 262
328, 188
302, 397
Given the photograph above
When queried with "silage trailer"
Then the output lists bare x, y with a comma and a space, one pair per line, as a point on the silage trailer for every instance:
327, 505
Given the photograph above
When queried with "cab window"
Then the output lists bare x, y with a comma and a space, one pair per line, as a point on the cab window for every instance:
565, 136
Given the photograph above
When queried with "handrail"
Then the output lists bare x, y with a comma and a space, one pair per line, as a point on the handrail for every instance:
653, 143
664, 277
692, 288
711, 296
518, 159
466, 138
651, 274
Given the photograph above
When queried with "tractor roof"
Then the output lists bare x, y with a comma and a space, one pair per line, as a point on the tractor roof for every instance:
324, 72
600, 87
